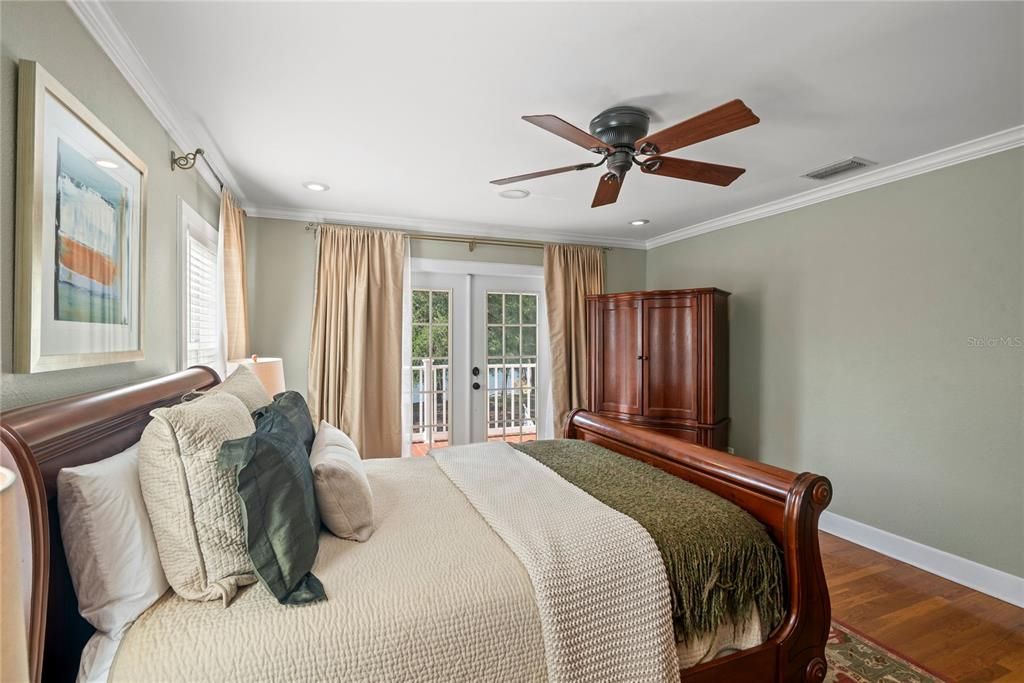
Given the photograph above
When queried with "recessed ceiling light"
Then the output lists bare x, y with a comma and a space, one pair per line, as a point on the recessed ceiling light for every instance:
639, 221
316, 187
104, 163
514, 194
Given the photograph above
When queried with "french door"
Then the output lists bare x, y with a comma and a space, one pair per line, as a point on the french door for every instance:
509, 391
479, 357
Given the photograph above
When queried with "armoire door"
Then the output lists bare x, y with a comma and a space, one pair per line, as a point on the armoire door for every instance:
618, 340
671, 360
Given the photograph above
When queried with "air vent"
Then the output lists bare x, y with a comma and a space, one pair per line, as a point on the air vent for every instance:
844, 166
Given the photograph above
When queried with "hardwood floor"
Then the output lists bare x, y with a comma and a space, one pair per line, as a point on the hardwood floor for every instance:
956, 632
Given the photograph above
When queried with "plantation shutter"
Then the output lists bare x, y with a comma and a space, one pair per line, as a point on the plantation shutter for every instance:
202, 335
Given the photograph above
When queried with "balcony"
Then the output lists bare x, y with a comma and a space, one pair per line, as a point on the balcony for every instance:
511, 403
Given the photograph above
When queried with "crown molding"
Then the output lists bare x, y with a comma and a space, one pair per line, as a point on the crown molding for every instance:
966, 151
113, 40
415, 225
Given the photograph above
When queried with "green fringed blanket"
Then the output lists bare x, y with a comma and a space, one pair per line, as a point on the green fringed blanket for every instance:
720, 561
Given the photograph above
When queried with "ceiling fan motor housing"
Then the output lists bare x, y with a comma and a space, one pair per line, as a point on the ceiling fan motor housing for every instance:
620, 127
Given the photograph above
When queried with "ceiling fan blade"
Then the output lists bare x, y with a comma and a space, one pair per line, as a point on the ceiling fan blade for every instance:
540, 174
607, 190
564, 129
712, 123
685, 169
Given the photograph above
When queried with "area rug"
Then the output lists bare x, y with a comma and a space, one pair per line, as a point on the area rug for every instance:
854, 658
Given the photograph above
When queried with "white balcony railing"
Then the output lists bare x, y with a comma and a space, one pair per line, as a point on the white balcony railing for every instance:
511, 400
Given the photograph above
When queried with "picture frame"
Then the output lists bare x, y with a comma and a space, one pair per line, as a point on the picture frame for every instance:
80, 239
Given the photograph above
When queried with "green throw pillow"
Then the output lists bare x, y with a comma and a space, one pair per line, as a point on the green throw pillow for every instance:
279, 512
288, 408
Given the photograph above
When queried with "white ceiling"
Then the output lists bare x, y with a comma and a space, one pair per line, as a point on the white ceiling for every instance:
408, 110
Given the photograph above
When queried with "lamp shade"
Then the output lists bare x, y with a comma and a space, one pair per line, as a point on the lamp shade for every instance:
13, 637
269, 370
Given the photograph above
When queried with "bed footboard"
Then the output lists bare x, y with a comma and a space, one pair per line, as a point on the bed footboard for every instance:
788, 504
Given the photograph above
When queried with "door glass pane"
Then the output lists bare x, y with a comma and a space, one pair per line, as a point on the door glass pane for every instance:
439, 340
512, 309
511, 378
420, 343
529, 340
420, 306
512, 340
494, 333
494, 308
529, 310
439, 307
431, 391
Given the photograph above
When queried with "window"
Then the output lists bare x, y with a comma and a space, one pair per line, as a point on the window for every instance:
200, 302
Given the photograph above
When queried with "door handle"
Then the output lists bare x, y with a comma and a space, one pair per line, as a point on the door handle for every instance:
643, 357
476, 385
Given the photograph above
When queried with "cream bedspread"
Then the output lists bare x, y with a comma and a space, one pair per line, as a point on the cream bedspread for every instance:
433, 595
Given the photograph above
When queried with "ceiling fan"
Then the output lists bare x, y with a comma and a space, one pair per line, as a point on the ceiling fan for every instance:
620, 136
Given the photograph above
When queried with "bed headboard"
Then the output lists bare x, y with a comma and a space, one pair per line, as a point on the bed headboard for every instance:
45, 438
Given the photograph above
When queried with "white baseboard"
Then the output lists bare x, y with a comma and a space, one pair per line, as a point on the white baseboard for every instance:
998, 584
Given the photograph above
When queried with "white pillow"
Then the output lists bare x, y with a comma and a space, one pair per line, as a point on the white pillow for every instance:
343, 493
109, 542
97, 658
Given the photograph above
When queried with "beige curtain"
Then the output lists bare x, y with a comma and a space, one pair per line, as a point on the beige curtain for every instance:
570, 274
236, 310
355, 353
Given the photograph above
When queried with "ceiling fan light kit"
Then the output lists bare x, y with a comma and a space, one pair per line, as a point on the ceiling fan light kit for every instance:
620, 136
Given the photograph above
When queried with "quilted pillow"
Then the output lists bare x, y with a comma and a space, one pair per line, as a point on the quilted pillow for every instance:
287, 411
275, 489
245, 386
196, 517
342, 490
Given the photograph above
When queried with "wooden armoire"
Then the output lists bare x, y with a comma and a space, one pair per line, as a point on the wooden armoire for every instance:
661, 360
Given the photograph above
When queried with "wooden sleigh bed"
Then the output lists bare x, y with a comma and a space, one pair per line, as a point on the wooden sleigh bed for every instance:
46, 437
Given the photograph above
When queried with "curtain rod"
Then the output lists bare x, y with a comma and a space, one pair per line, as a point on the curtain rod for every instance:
473, 242
187, 161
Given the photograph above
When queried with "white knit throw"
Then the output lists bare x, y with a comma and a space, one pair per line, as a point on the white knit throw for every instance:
599, 580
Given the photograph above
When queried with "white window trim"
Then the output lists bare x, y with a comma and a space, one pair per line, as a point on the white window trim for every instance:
189, 220
459, 267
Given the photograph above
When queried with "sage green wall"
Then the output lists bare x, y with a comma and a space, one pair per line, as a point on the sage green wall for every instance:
853, 352
280, 261
625, 270
281, 264
50, 34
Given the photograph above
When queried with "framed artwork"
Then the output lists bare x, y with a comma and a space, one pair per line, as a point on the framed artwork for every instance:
81, 228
